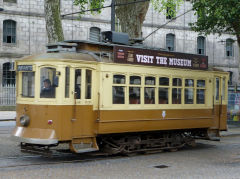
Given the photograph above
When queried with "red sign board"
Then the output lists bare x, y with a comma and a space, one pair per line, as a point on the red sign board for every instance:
159, 58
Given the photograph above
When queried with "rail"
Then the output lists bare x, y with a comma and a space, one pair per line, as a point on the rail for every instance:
5, 120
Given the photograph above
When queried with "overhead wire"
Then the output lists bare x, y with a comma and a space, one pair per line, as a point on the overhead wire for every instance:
96, 9
123, 4
166, 24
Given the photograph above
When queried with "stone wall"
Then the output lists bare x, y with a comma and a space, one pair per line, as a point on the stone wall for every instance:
31, 33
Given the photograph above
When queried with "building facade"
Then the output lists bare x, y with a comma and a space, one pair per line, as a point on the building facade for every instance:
22, 32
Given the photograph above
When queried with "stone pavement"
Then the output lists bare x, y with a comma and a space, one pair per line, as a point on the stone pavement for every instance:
7, 115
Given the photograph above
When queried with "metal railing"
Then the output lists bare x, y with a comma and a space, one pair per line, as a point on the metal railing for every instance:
8, 95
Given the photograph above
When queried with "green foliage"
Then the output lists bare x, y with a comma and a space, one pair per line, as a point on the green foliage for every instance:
159, 5
169, 7
84, 5
217, 16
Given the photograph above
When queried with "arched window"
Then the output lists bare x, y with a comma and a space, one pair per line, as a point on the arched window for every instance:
9, 31
95, 34
229, 47
8, 76
171, 12
170, 41
201, 45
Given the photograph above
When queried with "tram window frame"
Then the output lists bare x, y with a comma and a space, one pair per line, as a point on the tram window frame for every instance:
67, 82
135, 89
88, 84
217, 88
78, 83
30, 75
223, 88
177, 87
47, 82
150, 87
200, 91
119, 86
164, 83
189, 91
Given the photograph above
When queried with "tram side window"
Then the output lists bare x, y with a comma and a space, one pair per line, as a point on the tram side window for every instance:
223, 88
189, 91
177, 91
118, 89
67, 81
78, 78
135, 90
149, 90
200, 91
163, 91
217, 89
88, 84
47, 77
28, 84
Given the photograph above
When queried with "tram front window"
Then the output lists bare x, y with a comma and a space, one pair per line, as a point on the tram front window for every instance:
28, 84
47, 76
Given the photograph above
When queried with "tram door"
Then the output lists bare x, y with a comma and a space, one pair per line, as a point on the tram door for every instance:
219, 98
82, 120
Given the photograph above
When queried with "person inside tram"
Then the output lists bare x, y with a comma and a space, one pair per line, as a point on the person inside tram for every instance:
48, 90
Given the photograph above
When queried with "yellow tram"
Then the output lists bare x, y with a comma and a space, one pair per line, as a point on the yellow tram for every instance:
117, 98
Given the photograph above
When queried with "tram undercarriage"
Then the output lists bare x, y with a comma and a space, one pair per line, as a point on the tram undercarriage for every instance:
132, 143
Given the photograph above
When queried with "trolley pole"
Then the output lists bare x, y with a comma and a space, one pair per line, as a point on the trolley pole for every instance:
113, 16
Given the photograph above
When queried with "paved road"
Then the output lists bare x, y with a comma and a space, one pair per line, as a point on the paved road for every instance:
208, 159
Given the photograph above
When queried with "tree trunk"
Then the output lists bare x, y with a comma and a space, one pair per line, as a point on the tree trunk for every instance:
53, 21
131, 17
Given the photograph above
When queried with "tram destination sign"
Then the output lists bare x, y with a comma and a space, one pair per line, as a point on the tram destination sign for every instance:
159, 58
25, 68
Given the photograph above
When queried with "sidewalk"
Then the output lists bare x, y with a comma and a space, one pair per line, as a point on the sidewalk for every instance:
7, 115
232, 130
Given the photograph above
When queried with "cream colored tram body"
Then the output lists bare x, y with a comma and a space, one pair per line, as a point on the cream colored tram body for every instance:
117, 99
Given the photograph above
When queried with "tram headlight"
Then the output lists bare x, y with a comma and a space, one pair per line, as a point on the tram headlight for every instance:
24, 120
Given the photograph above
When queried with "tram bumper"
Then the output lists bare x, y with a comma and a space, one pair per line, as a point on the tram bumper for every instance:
35, 136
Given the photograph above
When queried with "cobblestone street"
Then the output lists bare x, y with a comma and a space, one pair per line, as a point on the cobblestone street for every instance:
209, 159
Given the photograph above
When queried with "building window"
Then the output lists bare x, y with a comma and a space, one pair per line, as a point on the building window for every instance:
229, 48
10, 1
171, 12
201, 45
94, 34
9, 31
8, 76
170, 38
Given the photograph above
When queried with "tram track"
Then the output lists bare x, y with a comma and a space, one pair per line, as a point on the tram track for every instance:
6, 120
57, 159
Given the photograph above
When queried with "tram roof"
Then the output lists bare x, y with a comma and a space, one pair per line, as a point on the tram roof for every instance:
59, 56
92, 52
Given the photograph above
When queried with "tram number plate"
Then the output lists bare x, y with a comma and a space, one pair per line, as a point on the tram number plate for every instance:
24, 67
